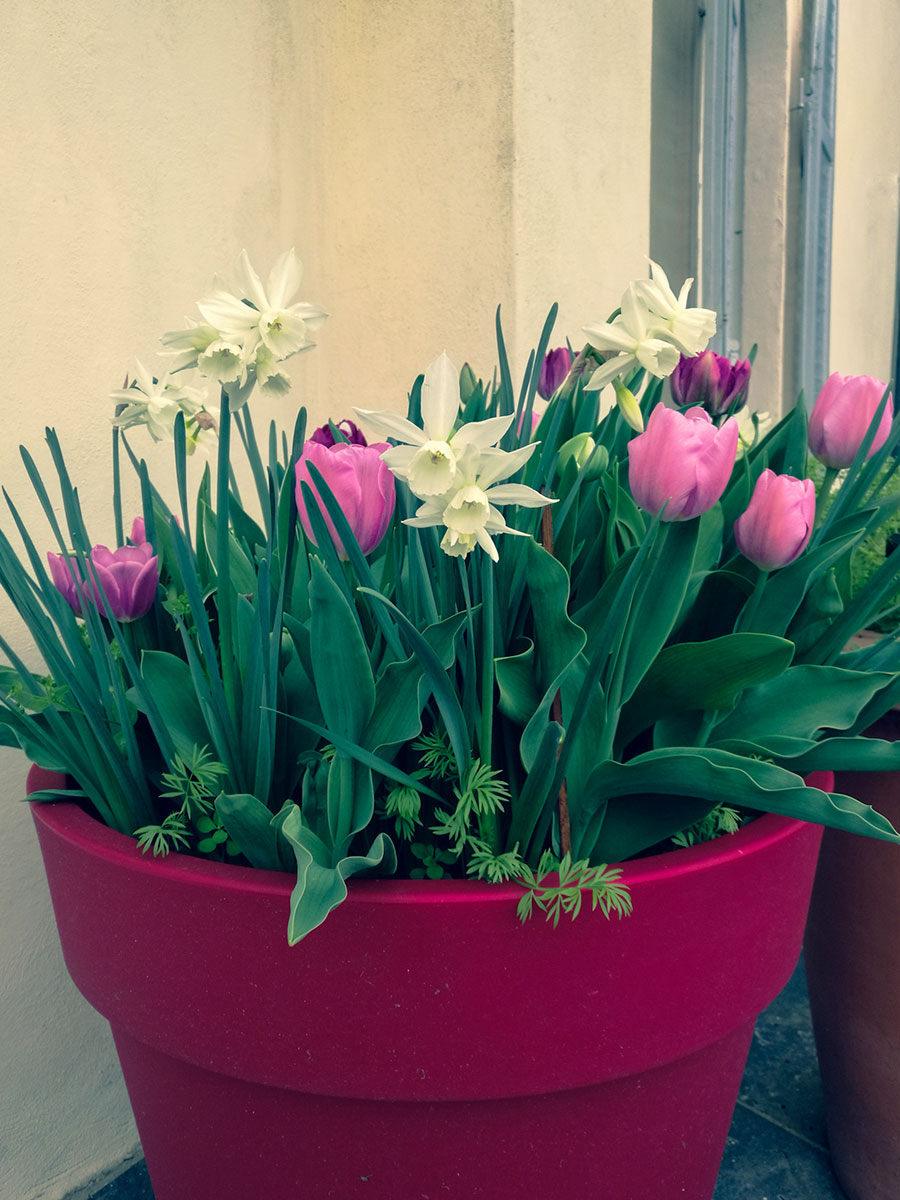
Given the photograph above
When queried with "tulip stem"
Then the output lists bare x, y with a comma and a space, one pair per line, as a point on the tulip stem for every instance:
565, 832
831, 473
745, 620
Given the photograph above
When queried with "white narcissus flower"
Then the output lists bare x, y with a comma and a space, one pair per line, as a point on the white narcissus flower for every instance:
469, 510
247, 333
428, 457
633, 340
690, 329
654, 328
156, 403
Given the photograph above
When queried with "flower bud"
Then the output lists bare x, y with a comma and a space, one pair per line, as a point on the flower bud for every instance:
351, 432
128, 577
778, 521
841, 417
468, 382
712, 381
582, 448
681, 461
554, 369
360, 482
628, 406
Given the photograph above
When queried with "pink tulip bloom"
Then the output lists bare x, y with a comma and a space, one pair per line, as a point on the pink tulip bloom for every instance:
681, 460
709, 379
138, 533
842, 415
128, 577
360, 482
778, 521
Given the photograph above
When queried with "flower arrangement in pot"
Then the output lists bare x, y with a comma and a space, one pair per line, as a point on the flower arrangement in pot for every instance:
473, 668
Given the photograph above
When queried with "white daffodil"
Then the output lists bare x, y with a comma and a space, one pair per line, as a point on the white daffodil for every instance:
428, 458
690, 329
469, 510
270, 316
246, 333
155, 403
633, 339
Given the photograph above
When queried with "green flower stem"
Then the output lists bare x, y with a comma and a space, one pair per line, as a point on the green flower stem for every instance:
744, 622
565, 833
223, 573
117, 489
831, 473
489, 825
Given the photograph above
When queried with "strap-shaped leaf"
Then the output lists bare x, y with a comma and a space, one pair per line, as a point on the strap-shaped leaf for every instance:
340, 662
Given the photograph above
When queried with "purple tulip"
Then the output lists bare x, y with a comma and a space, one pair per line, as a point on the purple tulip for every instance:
841, 417
778, 521
681, 460
715, 382
554, 369
361, 484
325, 437
128, 577
138, 533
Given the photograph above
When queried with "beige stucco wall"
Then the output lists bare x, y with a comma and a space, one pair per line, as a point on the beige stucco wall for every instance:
866, 190
428, 160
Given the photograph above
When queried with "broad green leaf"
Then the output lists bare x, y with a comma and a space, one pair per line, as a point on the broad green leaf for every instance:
340, 661
534, 798
703, 675
715, 775
251, 825
169, 681
517, 685
560, 639
800, 701
321, 886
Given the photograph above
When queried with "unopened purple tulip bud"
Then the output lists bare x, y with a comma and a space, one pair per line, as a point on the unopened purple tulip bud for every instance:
360, 482
351, 432
128, 577
681, 461
138, 533
554, 369
778, 521
712, 381
841, 417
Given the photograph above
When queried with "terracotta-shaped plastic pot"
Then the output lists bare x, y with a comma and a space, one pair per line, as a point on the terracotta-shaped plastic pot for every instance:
853, 974
423, 1042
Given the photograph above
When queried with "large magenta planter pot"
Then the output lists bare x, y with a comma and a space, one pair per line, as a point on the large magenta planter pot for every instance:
423, 1043
853, 975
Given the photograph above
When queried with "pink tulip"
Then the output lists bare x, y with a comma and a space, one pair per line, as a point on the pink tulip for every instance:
842, 415
778, 521
128, 577
554, 369
681, 460
711, 380
361, 484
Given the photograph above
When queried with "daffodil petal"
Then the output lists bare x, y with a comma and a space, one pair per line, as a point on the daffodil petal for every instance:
391, 424
440, 399
483, 434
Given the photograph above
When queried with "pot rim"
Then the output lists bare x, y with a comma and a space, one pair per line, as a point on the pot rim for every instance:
68, 820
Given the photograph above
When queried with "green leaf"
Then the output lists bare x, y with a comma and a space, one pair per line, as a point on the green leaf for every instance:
519, 692
340, 662
705, 675
253, 827
800, 701
560, 638
714, 775
169, 681
241, 568
321, 886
